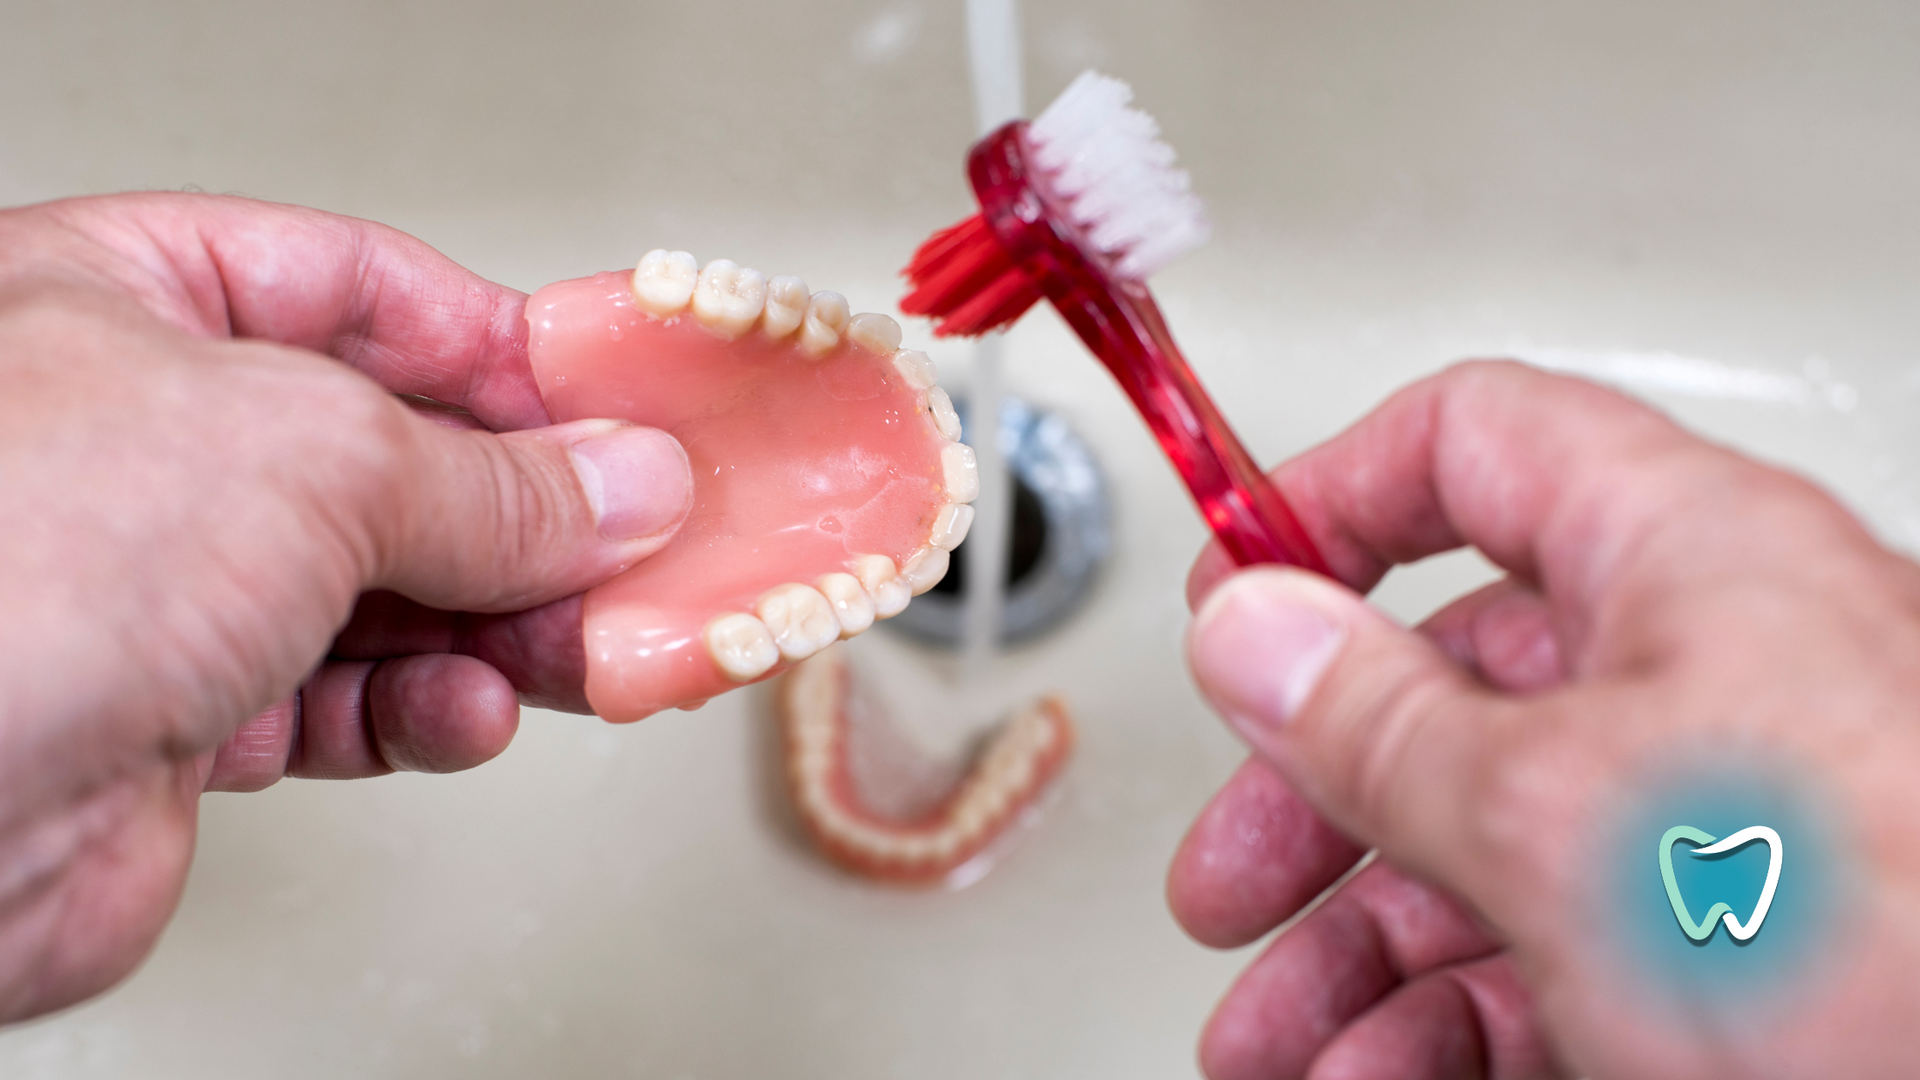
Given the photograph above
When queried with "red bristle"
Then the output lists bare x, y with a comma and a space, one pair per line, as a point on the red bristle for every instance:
963, 280
997, 305
944, 243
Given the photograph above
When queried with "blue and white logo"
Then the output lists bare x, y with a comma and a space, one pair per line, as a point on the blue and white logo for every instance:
1706, 844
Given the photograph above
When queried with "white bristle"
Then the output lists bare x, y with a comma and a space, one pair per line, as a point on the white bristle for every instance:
1107, 160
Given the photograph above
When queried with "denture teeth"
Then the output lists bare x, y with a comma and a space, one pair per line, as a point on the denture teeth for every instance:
951, 525
728, 298
851, 604
741, 646
915, 367
882, 581
876, 333
800, 618
960, 471
786, 307
945, 420
825, 320
925, 569
663, 282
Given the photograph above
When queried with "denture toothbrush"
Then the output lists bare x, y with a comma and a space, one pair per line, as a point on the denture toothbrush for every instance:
1080, 206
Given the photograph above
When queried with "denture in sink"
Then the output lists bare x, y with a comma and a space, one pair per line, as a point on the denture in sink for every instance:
950, 839
829, 484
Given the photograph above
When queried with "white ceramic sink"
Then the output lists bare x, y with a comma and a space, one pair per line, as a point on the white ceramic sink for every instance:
1710, 204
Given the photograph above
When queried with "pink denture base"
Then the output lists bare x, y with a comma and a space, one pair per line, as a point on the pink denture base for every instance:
799, 464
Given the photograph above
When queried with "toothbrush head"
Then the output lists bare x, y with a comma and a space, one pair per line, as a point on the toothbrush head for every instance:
1086, 193
1105, 160
1078, 208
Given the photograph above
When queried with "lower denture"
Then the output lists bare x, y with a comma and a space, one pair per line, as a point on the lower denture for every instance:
825, 475
953, 842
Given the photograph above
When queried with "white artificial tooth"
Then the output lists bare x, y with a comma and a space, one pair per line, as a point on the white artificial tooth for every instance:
882, 581
786, 307
961, 472
925, 569
916, 367
945, 420
876, 333
951, 525
663, 282
851, 604
728, 298
801, 619
825, 320
741, 646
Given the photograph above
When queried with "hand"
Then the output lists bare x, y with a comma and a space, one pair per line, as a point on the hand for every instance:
1668, 603
198, 499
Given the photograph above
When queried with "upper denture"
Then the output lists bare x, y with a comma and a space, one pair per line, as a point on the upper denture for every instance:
825, 478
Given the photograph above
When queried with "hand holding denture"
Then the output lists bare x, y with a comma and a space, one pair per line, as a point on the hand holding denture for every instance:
208, 468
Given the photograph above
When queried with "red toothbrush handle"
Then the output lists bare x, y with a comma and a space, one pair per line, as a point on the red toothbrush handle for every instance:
1244, 509
1119, 321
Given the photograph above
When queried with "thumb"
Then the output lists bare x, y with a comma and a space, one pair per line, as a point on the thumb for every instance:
1372, 723
474, 521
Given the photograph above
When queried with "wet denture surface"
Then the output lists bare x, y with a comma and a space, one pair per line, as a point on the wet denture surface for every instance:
828, 489
955, 840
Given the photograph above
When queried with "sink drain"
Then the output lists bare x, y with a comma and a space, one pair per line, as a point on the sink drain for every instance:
1061, 533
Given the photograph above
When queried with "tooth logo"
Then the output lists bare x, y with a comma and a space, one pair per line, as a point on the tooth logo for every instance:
1705, 844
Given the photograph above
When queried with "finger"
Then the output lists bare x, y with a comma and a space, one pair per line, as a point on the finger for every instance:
1502, 632
1513, 1034
438, 713
382, 301
1545, 474
539, 651
255, 756
1493, 454
431, 713
470, 521
1371, 723
1467, 1021
1376, 931
1212, 567
1569, 487
1497, 455
1256, 855
1424, 1030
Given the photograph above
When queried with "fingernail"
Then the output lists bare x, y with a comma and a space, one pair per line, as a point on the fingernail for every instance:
1258, 648
637, 480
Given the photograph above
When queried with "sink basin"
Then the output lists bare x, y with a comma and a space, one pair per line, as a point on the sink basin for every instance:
1708, 205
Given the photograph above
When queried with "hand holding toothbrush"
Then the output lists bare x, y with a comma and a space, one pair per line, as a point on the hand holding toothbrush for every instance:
1680, 628
1080, 207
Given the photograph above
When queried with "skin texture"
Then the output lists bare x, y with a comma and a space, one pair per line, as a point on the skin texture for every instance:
216, 503
1665, 596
